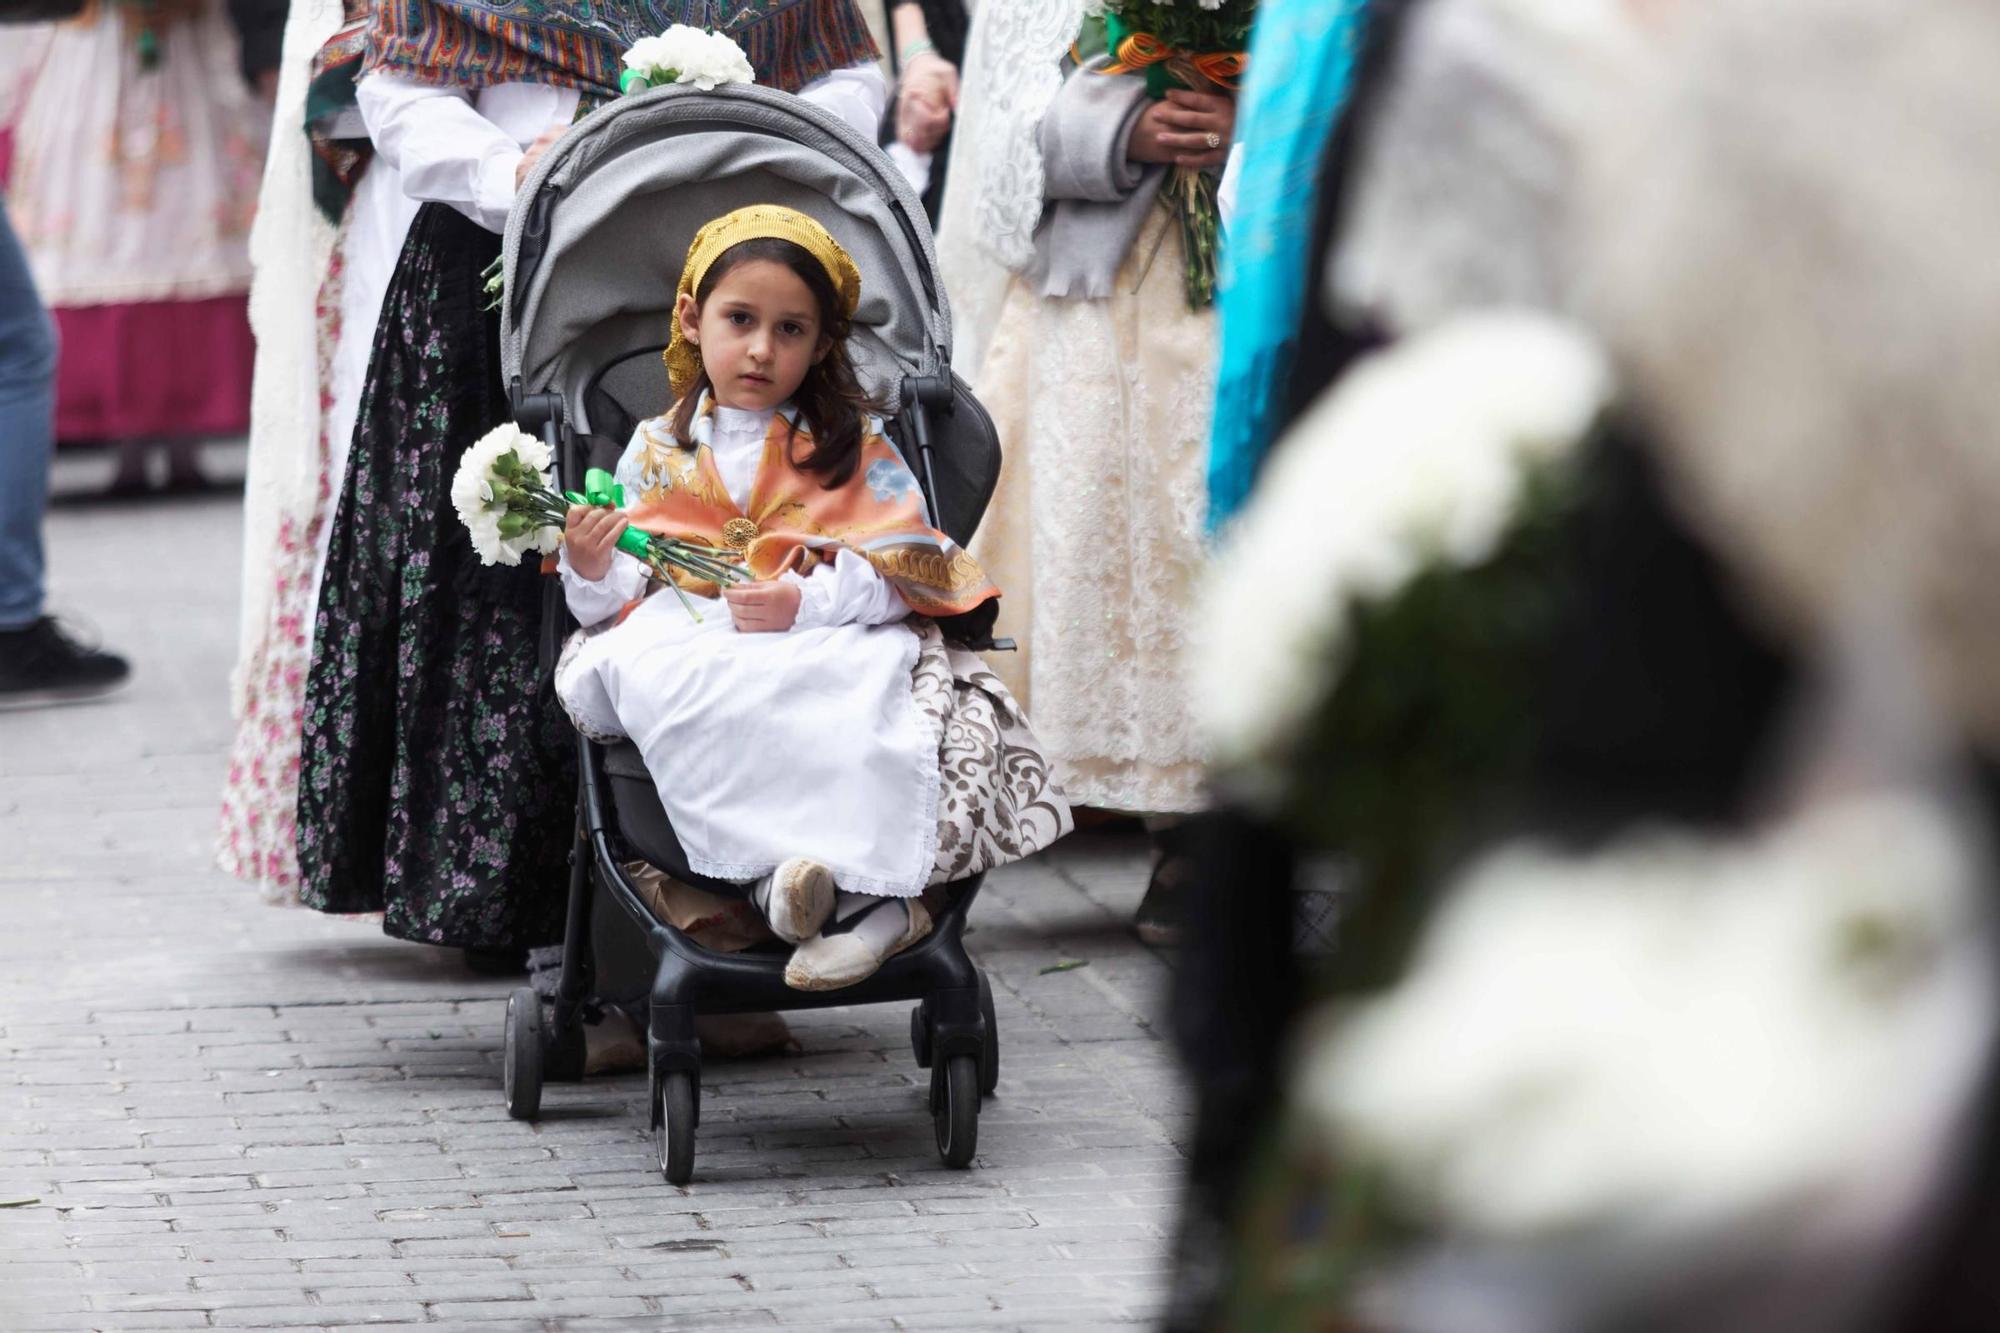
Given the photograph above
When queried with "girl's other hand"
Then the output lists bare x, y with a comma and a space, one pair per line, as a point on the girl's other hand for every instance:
1175, 130
543, 142
763, 608
591, 533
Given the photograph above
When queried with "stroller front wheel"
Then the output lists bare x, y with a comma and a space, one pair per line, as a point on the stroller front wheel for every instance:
522, 1071
955, 1108
674, 1136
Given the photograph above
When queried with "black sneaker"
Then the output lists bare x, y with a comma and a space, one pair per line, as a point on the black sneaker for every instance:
40, 665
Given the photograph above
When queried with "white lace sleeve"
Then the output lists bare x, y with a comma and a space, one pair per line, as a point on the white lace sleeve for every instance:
291, 246
1012, 71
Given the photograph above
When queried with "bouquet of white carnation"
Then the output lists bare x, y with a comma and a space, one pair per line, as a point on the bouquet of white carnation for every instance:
506, 496
684, 55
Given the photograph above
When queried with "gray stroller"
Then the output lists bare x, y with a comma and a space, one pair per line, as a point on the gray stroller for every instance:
593, 253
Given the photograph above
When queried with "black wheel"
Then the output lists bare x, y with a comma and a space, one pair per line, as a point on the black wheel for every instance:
675, 1135
989, 1048
566, 1054
955, 1109
920, 1036
523, 1069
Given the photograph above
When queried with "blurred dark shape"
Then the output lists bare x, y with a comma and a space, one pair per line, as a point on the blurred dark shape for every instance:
260, 25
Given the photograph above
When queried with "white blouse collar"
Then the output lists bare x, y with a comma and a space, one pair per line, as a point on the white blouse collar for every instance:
735, 422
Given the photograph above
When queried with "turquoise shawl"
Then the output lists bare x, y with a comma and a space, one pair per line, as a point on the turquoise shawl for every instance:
1302, 61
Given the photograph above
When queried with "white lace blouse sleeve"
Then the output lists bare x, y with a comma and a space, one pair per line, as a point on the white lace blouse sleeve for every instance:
446, 151
856, 94
849, 592
594, 600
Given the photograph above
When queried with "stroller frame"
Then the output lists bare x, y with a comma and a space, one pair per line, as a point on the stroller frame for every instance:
952, 1028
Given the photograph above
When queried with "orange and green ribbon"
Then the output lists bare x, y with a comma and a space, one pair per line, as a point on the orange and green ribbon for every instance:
1134, 52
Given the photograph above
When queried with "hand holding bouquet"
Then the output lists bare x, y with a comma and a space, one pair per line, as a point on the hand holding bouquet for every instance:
1190, 52
506, 496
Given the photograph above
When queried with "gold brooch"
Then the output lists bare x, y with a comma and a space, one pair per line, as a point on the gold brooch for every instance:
738, 533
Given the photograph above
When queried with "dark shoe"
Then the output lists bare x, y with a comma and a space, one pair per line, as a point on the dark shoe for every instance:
41, 665
1158, 920
496, 962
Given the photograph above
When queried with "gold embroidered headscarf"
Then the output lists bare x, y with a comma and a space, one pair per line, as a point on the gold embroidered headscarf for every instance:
756, 222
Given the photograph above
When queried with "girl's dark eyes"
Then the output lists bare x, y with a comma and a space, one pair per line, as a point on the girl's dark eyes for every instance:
743, 319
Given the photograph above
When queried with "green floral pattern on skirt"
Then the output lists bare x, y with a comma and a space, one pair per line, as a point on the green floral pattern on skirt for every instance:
438, 775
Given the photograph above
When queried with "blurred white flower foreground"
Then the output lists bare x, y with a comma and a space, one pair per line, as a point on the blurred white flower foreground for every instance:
1678, 1034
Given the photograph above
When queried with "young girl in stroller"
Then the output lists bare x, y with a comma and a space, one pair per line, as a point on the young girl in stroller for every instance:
778, 718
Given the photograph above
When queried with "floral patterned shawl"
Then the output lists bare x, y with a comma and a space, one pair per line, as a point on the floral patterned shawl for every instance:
793, 521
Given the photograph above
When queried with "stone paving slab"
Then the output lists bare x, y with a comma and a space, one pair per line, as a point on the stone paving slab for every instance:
239, 1116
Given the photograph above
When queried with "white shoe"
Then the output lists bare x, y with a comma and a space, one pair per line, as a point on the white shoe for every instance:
831, 961
796, 899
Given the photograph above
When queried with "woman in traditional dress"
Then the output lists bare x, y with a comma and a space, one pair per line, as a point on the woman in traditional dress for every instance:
436, 781
136, 147
1098, 374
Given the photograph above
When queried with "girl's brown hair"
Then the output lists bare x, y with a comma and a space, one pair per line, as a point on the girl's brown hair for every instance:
830, 400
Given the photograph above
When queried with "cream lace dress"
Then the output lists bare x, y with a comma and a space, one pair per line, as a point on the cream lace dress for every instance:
1095, 534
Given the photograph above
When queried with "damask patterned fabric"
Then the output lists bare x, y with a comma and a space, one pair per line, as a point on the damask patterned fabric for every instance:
998, 799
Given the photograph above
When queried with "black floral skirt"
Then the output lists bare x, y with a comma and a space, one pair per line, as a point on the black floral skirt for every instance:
437, 780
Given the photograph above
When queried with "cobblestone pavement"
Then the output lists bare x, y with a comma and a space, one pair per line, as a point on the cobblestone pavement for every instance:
237, 1116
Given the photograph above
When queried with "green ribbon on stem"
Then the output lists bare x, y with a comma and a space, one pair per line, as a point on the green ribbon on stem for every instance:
601, 489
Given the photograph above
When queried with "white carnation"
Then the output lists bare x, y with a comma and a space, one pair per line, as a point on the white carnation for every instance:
689, 56
472, 494
1418, 456
1675, 1035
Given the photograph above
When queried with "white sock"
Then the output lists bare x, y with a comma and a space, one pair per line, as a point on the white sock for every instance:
879, 929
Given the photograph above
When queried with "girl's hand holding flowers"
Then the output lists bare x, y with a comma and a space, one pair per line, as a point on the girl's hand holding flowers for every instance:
1177, 129
591, 533
762, 608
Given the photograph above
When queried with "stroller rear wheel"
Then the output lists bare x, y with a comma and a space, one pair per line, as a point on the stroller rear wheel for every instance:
920, 1035
674, 1135
523, 1059
955, 1108
989, 1046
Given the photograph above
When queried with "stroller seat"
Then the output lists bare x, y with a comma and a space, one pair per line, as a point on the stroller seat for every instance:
671, 979
594, 245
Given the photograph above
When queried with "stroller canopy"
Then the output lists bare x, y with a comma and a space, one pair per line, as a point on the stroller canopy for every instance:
598, 237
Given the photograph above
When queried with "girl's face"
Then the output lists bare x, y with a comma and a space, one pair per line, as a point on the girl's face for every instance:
759, 333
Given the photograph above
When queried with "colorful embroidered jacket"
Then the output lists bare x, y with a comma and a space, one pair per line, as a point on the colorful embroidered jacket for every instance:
580, 43
793, 521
